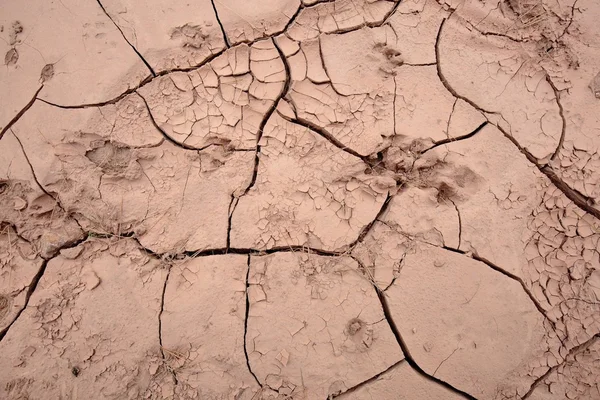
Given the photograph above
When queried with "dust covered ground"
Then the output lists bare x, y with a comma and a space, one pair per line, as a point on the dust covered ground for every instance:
252, 200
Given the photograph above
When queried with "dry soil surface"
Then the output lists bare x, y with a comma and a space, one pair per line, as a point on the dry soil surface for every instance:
300, 199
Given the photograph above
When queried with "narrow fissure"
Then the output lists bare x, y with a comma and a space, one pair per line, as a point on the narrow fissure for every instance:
34, 282
459, 222
225, 38
20, 113
160, 313
246, 324
458, 138
561, 112
42, 188
325, 135
366, 229
124, 37
367, 381
267, 116
165, 134
232, 205
30, 290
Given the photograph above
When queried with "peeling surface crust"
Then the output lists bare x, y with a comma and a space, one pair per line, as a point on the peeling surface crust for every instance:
300, 199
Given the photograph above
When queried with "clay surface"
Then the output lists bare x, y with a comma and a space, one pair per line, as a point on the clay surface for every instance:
300, 199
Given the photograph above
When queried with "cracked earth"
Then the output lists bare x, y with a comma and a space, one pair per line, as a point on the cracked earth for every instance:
286, 199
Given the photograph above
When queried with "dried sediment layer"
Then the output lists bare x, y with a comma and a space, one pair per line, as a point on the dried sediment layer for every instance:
300, 199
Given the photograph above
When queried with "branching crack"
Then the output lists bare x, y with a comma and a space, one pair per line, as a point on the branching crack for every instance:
582, 201
573, 352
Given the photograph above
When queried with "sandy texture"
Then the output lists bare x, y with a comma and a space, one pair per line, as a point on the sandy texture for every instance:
300, 199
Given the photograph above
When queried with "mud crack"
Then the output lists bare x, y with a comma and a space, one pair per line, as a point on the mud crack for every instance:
127, 40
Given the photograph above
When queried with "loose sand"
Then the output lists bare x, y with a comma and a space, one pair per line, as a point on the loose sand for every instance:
300, 199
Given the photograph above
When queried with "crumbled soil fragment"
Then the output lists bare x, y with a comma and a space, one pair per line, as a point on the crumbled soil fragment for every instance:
300, 199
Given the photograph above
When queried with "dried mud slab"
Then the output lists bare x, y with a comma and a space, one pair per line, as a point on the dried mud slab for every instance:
576, 378
504, 209
487, 332
19, 268
358, 122
400, 382
300, 199
501, 78
494, 202
412, 215
205, 299
312, 320
254, 19
32, 211
183, 36
577, 161
117, 181
308, 192
80, 59
415, 26
222, 102
91, 326
338, 17
563, 267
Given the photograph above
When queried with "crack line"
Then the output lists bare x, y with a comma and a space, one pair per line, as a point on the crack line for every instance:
324, 134
30, 289
246, 324
574, 351
225, 38
42, 188
408, 357
369, 380
124, 37
20, 113
34, 282
503, 272
168, 137
583, 202
160, 341
457, 138
561, 112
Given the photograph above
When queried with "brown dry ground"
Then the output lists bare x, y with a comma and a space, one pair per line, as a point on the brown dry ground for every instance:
353, 199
